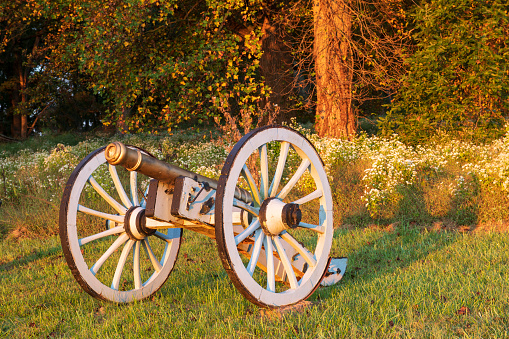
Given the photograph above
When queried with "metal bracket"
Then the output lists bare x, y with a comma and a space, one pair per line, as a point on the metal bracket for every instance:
335, 272
193, 201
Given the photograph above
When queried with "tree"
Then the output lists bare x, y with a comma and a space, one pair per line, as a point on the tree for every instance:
20, 36
326, 55
158, 64
32, 90
344, 52
358, 50
458, 79
334, 68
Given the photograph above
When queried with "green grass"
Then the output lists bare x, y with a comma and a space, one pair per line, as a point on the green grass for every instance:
401, 283
37, 143
411, 274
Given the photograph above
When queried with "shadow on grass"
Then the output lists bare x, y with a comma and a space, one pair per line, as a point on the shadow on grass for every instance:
423, 222
33, 256
412, 232
382, 252
386, 252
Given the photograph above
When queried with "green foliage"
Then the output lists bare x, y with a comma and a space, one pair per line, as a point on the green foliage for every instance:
161, 63
31, 83
458, 79
156, 64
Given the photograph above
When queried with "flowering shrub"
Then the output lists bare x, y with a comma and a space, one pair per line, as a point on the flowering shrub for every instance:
393, 166
492, 166
388, 169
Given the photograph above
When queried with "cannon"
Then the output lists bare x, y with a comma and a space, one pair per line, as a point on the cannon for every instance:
123, 213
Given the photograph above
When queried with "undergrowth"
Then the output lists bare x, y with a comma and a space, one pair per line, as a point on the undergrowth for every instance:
374, 180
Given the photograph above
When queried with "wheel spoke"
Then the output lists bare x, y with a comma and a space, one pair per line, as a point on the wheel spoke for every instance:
248, 208
316, 228
136, 265
264, 169
116, 244
166, 253
259, 236
116, 218
311, 196
245, 233
151, 255
113, 203
304, 252
290, 184
286, 263
121, 263
252, 185
133, 176
111, 231
118, 186
271, 276
285, 146
163, 237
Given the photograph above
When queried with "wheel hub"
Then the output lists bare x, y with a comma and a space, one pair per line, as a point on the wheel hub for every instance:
276, 216
135, 224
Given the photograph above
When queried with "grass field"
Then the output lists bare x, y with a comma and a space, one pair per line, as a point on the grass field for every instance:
427, 253
402, 283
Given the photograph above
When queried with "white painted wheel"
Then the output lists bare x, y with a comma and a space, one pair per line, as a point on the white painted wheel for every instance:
111, 255
272, 258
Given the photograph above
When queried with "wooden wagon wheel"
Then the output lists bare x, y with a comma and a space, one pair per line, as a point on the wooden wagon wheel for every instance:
111, 253
281, 253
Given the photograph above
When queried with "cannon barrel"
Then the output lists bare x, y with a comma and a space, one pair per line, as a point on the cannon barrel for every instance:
133, 160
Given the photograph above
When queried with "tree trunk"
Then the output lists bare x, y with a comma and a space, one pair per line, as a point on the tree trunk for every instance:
19, 127
15, 100
276, 68
120, 124
23, 78
335, 116
16, 126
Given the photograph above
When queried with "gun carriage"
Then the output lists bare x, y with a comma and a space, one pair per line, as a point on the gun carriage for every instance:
273, 236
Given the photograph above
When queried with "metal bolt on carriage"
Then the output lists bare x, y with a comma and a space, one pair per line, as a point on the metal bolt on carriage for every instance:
270, 213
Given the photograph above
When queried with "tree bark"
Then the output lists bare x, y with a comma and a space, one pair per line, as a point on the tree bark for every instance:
19, 125
23, 78
335, 116
16, 126
276, 68
15, 100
